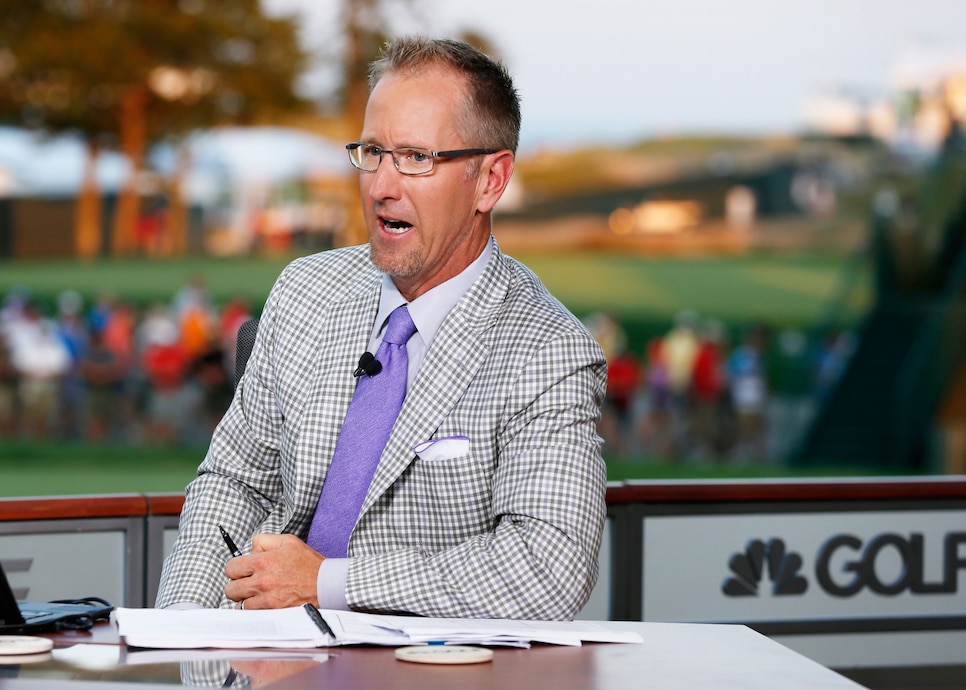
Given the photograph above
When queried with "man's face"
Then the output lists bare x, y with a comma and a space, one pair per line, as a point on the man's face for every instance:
423, 229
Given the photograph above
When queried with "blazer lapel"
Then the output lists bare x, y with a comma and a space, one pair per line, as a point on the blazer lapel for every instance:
457, 353
343, 336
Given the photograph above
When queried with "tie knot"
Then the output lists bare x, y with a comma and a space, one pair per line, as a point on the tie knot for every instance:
400, 328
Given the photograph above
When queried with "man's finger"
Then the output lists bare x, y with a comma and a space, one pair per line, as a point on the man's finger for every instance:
270, 542
240, 566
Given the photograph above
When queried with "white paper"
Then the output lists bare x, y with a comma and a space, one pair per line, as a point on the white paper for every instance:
294, 628
223, 628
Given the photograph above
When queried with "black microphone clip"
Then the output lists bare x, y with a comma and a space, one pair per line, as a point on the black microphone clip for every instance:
368, 365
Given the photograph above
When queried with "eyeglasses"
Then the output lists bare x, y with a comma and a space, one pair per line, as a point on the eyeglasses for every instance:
408, 160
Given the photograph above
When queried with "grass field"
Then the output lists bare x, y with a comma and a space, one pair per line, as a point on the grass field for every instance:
53, 469
645, 294
782, 291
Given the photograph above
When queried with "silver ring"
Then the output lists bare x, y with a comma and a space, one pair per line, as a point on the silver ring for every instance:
242, 607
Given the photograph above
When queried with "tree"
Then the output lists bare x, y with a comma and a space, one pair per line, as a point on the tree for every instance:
129, 73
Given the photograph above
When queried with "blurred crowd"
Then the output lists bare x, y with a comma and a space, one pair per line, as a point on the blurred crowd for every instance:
110, 371
701, 393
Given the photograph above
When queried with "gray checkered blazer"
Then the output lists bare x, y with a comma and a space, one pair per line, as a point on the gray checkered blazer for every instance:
512, 529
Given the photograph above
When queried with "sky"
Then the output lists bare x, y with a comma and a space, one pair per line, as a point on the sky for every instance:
617, 71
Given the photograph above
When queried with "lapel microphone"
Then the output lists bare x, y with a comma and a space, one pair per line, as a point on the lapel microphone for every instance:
368, 365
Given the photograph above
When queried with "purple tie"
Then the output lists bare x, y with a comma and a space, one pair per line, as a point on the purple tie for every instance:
364, 435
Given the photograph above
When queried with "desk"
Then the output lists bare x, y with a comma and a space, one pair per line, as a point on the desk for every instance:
674, 655
906, 631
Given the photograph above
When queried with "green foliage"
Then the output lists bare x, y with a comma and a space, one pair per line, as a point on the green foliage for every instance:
81, 65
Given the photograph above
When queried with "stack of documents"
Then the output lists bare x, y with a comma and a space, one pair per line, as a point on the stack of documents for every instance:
306, 626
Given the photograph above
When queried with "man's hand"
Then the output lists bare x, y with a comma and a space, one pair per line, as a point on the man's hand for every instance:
281, 571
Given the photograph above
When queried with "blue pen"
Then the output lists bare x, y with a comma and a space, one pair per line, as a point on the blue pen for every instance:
235, 551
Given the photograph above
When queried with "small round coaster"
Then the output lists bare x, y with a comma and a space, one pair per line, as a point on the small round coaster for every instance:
444, 654
24, 644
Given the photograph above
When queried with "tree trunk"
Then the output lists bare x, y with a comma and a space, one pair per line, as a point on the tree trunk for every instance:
176, 230
133, 143
87, 221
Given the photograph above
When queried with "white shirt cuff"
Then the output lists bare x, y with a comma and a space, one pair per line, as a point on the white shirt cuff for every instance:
330, 587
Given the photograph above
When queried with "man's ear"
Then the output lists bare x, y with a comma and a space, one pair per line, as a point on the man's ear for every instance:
494, 177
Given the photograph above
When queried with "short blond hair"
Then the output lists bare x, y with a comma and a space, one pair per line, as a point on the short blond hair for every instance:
491, 117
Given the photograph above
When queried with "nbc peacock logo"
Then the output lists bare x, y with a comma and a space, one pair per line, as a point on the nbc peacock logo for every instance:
759, 557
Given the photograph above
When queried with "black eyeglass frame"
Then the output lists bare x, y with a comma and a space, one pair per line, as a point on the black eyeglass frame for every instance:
445, 155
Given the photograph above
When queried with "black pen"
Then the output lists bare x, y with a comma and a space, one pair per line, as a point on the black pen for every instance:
235, 551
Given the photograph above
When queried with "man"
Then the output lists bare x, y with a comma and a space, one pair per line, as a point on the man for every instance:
505, 519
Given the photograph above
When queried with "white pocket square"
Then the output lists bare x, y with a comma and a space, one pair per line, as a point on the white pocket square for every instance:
442, 448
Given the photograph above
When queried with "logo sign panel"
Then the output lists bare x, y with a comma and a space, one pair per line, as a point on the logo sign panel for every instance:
804, 566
